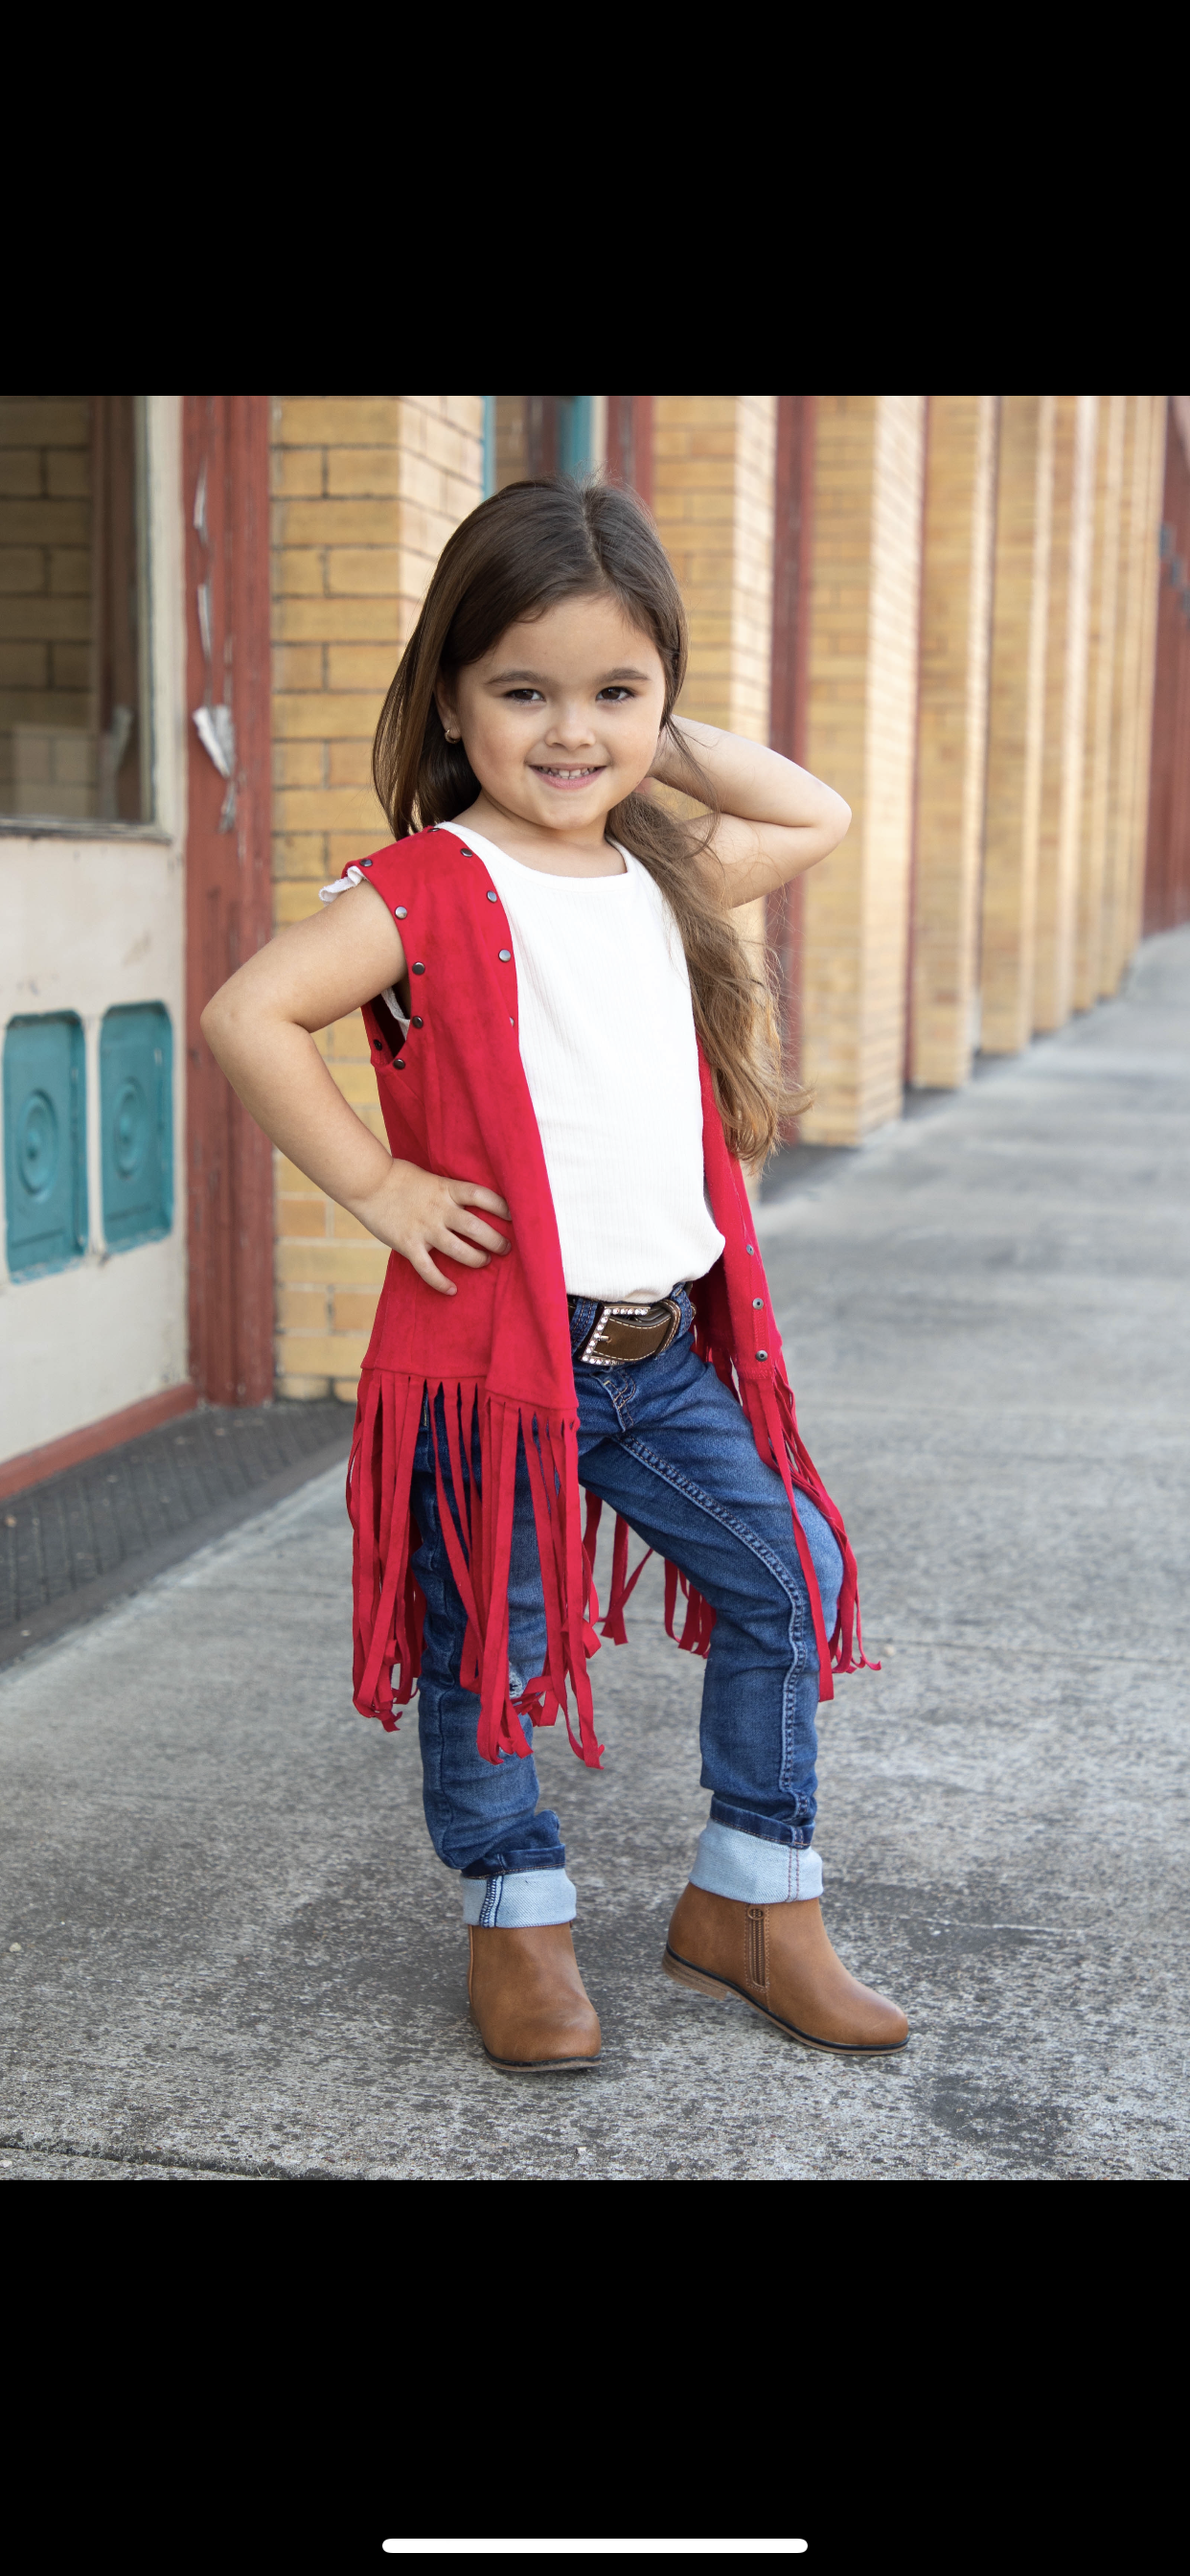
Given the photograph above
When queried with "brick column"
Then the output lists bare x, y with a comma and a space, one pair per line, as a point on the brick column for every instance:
1114, 911
860, 736
367, 489
959, 533
1167, 887
1016, 719
1151, 576
714, 462
1101, 648
1076, 424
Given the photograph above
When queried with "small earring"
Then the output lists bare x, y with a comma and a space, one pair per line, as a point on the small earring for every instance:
451, 737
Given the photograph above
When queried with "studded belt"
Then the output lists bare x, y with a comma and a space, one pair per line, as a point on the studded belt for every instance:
622, 1334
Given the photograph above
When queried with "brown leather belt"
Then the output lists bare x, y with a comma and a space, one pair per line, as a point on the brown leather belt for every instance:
622, 1334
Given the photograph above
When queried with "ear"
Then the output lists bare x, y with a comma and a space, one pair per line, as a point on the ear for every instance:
444, 701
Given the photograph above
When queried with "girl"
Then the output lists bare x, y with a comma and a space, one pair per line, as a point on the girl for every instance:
573, 1055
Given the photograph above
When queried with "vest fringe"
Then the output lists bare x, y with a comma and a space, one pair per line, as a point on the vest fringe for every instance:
461, 1103
767, 1400
477, 1517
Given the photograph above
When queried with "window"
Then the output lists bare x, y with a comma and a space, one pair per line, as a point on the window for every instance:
574, 433
536, 434
75, 729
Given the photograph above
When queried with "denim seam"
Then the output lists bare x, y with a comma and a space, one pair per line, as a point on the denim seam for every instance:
646, 1457
787, 1838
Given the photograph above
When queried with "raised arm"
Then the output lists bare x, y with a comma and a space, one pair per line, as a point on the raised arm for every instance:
260, 1029
776, 819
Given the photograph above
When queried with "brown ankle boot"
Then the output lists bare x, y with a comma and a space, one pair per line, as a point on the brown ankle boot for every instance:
528, 2001
779, 1959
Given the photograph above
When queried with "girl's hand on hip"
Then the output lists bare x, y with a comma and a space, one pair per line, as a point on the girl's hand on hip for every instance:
419, 1213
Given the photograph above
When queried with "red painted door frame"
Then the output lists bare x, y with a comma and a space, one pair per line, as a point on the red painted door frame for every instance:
225, 450
1167, 858
630, 443
793, 543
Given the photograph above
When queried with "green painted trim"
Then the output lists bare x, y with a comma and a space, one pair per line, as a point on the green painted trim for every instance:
136, 1048
45, 1144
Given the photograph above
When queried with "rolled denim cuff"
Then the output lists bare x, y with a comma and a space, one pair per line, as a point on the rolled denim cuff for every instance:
522, 1897
753, 1871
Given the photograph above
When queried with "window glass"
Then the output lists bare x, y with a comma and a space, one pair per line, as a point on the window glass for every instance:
74, 712
574, 433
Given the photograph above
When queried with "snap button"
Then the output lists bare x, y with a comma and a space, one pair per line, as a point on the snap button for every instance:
762, 1355
749, 1247
366, 863
415, 1023
401, 913
419, 969
399, 1066
505, 958
493, 898
758, 1301
378, 1044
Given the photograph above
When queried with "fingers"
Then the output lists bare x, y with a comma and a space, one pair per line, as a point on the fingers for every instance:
475, 1231
419, 1259
469, 1194
448, 1221
470, 1254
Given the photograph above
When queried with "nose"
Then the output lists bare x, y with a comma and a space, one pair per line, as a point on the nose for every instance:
570, 729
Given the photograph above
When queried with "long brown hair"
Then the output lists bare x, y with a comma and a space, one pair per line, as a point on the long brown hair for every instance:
518, 554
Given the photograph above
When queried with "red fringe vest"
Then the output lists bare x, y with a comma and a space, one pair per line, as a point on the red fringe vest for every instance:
455, 1100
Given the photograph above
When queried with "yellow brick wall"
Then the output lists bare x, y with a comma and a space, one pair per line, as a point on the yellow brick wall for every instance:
1016, 720
959, 528
861, 727
47, 714
1060, 821
512, 447
1158, 408
714, 460
1125, 679
367, 488
714, 457
1101, 648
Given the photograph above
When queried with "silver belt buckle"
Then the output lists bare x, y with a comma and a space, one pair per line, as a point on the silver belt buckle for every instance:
588, 1355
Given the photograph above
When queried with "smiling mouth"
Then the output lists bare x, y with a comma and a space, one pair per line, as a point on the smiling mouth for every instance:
569, 777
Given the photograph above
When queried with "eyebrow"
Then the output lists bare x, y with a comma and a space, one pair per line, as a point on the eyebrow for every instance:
502, 679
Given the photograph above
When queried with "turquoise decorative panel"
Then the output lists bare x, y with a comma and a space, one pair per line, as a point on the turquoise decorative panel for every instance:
574, 433
45, 1143
136, 1122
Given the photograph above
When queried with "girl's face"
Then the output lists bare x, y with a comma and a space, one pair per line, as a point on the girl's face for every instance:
562, 719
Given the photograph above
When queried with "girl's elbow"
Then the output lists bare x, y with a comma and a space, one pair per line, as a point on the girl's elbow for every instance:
213, 1024
839, 823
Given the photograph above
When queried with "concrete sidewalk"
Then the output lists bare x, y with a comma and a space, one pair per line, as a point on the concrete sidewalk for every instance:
239, 1958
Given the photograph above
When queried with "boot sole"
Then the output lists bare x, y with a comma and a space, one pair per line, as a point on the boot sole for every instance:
533, 2065
539, 2065
721, 1989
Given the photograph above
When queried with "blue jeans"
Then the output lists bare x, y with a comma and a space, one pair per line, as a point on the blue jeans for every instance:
666, 1444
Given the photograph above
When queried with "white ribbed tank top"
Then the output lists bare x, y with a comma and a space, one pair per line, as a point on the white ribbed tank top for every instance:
610, 1057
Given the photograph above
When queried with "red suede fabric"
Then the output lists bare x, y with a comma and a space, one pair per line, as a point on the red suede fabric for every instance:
455, 1101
